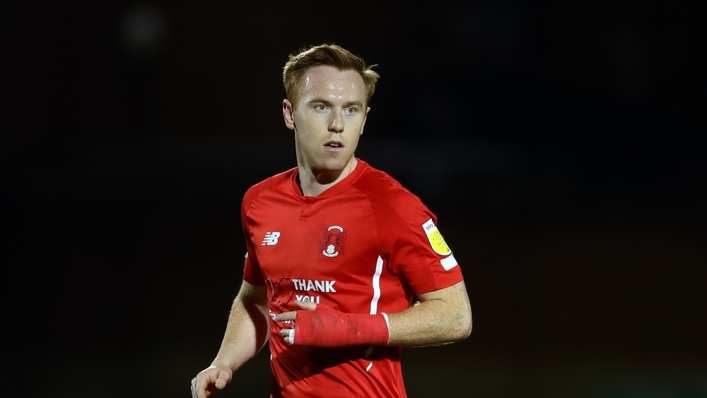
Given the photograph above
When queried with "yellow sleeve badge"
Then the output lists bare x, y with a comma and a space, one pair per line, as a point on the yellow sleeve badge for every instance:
435, 237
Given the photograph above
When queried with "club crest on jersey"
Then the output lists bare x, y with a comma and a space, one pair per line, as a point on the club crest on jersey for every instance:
435, 237
332, 243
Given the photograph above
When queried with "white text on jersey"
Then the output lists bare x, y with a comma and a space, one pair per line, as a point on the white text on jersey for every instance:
309, 285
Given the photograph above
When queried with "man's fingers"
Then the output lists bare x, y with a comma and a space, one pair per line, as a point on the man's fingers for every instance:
288, 335
212, 377
195, 392
286, 316
292, 315
222, 380
288, 329
195, 386
305, 305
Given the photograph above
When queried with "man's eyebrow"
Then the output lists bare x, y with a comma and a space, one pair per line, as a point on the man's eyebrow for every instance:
357, 103
329, 103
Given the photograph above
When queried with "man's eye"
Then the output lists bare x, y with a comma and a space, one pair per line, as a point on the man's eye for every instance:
350, 111
320, 107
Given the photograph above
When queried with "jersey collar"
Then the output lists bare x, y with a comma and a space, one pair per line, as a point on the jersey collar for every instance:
337, 188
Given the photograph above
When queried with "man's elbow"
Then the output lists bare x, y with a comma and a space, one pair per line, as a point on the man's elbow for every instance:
460, 329
464, 327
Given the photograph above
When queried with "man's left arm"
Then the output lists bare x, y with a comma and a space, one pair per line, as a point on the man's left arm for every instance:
441, 317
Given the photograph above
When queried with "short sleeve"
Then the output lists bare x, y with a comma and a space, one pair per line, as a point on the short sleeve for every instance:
415, 246
251, 267
251, 272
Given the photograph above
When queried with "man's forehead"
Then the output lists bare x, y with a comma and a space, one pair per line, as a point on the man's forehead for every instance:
332, 79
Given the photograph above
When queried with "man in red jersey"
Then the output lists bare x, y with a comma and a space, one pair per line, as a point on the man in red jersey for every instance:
337, 251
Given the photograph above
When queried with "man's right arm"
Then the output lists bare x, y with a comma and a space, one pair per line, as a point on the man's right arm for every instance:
246, 334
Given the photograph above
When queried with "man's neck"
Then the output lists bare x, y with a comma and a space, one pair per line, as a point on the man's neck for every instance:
314, 182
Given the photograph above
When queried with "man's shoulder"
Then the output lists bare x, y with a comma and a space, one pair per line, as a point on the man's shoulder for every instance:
273, 182
380, 186
392, 203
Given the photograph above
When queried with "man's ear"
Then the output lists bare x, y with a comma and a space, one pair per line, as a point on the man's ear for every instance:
288, 114
368, 109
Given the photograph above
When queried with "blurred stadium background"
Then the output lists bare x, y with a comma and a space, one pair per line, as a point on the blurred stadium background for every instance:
556, 141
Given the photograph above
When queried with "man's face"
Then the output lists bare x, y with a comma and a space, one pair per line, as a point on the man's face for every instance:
328, 118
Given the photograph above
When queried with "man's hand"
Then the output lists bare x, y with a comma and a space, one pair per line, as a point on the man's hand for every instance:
288, 319
323, 326
210, 380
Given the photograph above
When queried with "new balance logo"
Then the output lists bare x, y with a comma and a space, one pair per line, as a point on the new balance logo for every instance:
271, 238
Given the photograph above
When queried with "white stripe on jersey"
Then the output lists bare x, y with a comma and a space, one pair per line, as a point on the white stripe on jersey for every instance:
376, 286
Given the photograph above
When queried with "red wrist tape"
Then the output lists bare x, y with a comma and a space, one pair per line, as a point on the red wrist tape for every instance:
327, 327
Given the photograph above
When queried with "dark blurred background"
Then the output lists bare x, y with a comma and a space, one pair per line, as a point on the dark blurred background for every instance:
558, 143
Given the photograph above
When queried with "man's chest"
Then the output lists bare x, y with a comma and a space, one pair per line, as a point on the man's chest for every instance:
320, 252
320, 237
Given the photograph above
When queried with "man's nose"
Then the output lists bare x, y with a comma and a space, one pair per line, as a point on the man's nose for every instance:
336, 124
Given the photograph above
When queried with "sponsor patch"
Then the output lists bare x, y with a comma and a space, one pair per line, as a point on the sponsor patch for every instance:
435, 237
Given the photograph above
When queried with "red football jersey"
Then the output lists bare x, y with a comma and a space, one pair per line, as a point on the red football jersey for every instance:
366, 245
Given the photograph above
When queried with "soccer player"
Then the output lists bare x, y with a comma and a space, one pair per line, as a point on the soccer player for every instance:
344, 266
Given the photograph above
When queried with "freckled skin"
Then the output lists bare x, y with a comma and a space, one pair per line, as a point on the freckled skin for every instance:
329, 107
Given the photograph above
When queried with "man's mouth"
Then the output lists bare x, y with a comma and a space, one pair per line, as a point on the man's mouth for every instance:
334, 144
